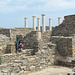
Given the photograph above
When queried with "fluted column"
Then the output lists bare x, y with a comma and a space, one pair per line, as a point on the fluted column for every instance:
26, 22
38, 23
34, 22
43, 23
50, 25
59, 20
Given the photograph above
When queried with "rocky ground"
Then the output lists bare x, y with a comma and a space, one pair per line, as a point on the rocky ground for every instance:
53, 70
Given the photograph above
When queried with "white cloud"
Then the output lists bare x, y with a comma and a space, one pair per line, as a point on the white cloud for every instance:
45, 5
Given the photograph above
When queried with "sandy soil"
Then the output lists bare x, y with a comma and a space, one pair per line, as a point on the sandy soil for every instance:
54, 70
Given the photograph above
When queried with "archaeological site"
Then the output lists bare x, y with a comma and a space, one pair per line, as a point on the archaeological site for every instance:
42, 47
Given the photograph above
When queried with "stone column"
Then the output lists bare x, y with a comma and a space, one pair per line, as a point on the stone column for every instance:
10, 33
38, 23
26, 22
43, 23
34, 22
50, 25
59, 20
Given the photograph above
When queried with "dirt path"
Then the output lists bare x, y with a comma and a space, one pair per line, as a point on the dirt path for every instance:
52, 71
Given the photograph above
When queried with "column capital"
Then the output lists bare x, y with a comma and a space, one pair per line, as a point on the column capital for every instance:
38, 18
33, 16
43, 14
25, 18
50, 19
59, 17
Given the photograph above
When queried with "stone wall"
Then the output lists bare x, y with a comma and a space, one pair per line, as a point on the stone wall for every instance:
31, 40
5, 32
64, 45
46, 36
19, 32
27, 35
66, 28
4, 41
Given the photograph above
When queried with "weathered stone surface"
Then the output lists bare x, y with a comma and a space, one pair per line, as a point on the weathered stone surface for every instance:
66, 28
64, 45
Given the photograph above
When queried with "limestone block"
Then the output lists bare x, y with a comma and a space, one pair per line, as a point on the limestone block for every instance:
32, 68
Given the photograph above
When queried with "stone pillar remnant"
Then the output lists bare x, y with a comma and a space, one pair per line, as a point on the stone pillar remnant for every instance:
38, 23
26, 22
59, 20
50, 25
34, 22
43, 23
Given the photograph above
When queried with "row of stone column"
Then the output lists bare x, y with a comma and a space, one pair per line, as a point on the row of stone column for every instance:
43, 23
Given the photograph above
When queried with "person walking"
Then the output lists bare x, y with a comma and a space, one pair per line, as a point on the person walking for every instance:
16, 44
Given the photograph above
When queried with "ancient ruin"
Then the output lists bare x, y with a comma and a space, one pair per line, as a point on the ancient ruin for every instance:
42, 48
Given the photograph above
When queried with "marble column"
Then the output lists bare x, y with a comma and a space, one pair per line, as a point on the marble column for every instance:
59, 20
43, 23
50, 25
26, 22
38, 23
34, 22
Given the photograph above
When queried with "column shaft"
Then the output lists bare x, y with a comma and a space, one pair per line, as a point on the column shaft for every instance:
38, 23
26, 22
43, 23
50, 25
59, 20
34, 22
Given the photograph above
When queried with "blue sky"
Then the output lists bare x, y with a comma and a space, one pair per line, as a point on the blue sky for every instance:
13, 12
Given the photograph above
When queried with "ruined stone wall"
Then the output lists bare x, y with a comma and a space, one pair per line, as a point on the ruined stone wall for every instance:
4, 41
31, 40
46, 36
5, 32
19, 32
66, 28
27, 35
41, 60
64, 45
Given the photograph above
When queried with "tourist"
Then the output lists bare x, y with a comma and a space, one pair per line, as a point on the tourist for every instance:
20, 46
16, 44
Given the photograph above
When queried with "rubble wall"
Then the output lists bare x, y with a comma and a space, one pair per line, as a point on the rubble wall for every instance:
5, 32
64, 45
19, 32
66, 28
31, 40
4, 41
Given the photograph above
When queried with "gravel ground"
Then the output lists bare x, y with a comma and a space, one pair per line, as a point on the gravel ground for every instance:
53, 70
